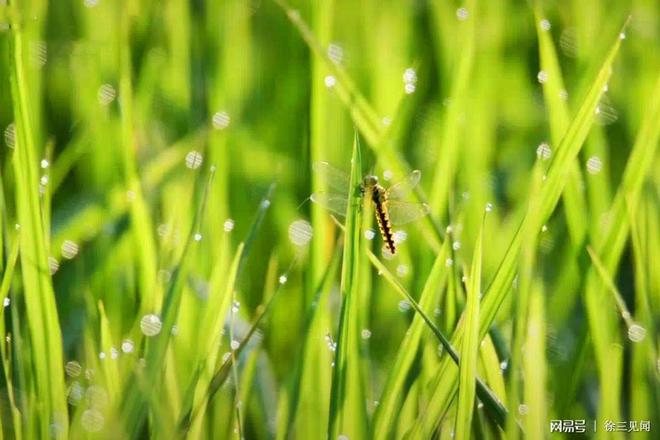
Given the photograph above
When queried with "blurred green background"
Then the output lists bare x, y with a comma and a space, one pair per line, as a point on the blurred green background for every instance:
164, 274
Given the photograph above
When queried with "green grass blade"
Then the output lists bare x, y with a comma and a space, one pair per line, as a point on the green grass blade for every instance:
7, 277
539, 210
42, 317
392, 393
347, 405
467, 370
534, 367
557, 108
492, 403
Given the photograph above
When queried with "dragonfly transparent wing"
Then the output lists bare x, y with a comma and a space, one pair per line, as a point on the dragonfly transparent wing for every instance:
399, 190
334, 178
405, 212
337, 203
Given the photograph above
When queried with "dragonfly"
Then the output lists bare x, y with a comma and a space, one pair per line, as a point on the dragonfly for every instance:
390, 207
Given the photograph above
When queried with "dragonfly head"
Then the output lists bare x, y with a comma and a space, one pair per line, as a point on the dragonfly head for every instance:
369, 182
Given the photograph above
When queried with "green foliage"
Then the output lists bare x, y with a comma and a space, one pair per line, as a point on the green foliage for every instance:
164, 275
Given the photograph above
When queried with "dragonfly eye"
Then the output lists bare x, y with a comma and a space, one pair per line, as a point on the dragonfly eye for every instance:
370, 181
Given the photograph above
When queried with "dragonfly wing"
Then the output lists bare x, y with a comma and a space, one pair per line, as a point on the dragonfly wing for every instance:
336, 203
405, 212
333, 177
401, 189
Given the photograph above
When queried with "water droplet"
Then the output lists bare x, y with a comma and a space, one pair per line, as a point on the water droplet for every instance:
504, 365
6, 302
69, 249
543, 151
197, 236
282, 279
456, 245
636, 333
73, 369
369, 234
365, 333
409, 76
542, 76
489, 207
594, 165
523, 409
404, 305
44, 163
449, 262
226, 357
300, 232
462, 14
164, 276
335, 53
114, 353
163, 229
545, 24
605, 113
10, 135
92, 420
622, 36
568, 42
544, 228
563, 95
75, 393
399, 236
96, 396
385, 252
228, 225
386, 121
402, 270
127, 346
220, 120
332, 345
53, 265
409, 88
38, 53
102, 355
387, 175
194, 159
330, 81
43, 180
235, 307
90, 3
106, 94
342, 437
234, 345
265, 203
150, 324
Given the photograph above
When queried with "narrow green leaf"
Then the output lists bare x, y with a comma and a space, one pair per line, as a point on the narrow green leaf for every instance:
470, 347
540, 208
392, 394
347, 405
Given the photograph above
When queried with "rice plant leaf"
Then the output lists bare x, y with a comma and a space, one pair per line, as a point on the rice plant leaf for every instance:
534, 367
42, 317
492, 403
392, 393
470, 347
347, 405
540, 208
140, 385
554, 95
